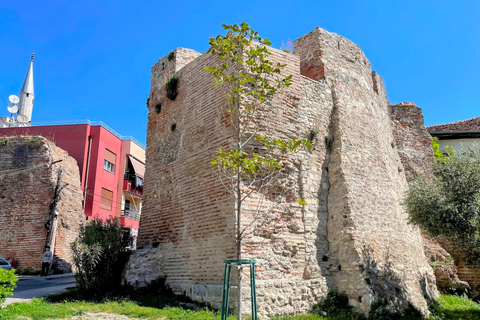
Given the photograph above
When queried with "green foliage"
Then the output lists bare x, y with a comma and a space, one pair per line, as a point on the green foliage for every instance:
438, 154
8, 282
171, 56
171, 85
27, 272
335, 306
245, 68
382, 310
448, 204
158, 107
254, 164
250, 81
99, 255
155, 306
4, 141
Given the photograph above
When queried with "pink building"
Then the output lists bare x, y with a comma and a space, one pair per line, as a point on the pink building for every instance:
111, 167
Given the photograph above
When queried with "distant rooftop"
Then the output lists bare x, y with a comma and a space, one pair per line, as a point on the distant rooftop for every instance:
472, 124
86, 121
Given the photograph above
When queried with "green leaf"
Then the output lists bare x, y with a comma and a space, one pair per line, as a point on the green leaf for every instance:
301, 202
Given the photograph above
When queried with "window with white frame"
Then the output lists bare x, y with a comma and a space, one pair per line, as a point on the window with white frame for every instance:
109, 162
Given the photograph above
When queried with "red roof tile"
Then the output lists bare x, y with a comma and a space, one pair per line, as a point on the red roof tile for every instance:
472, 124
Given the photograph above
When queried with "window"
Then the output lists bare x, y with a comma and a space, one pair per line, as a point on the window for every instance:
106, 199
109, 162
107, 165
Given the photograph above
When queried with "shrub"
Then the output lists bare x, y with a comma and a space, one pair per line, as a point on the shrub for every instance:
335, 306
171, 86
8, 282
99, 255
28, 272
158, 107
447, 204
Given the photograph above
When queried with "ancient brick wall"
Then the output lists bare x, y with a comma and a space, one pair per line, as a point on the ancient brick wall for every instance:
29, 175
413, 143
351, 233
414, 146
186, 210
368, 226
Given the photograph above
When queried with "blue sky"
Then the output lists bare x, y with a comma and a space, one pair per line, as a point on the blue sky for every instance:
93, 58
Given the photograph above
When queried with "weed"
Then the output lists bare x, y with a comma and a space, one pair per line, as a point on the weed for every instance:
158, 107
328, 142
171, 86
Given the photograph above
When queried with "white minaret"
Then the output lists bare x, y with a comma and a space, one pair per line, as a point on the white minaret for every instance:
25, 105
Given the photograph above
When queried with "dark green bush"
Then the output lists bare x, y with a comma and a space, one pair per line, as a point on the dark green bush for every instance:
381, 310
158, 107
27, 272
8, 282
99, 255
171, 87
335, 306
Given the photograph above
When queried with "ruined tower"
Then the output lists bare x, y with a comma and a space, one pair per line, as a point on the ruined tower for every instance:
352, 236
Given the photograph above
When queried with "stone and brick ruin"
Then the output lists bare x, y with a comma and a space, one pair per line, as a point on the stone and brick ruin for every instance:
352, 236
35, 174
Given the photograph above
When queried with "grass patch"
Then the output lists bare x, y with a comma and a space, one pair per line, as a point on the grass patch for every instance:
154, 306
455, 307
40, 309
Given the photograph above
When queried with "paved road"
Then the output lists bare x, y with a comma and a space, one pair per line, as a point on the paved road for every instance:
36, 287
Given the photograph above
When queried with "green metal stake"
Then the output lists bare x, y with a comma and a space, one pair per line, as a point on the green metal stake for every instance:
226, 285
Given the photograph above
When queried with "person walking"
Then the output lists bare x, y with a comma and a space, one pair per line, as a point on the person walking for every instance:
46, 261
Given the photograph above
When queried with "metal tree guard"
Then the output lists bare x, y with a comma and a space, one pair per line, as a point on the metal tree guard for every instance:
226, 285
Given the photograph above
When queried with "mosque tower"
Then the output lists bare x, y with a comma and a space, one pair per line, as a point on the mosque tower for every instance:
25, 105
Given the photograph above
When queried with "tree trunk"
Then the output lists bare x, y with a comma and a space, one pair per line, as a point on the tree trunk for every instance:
239, 214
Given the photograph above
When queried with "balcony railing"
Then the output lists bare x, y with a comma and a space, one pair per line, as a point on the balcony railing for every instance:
127, 186
132, 214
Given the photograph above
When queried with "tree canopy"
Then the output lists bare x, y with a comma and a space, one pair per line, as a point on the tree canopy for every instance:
447, 204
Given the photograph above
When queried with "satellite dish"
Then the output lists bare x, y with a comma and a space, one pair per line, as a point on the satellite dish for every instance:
13, 98
12, 108
22, 118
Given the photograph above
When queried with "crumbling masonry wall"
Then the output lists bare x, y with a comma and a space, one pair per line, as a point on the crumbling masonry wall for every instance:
414, 145
29, 175
354, 230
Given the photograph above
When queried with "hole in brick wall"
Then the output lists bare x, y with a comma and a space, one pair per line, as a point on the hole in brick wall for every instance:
173, 127
339, 267
155, 244
163, 65
324, 258
158, 107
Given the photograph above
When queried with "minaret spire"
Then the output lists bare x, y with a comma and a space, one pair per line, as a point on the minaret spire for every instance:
25, 106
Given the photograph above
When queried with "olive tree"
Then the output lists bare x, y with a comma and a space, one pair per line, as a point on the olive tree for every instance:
448, 203
253, 163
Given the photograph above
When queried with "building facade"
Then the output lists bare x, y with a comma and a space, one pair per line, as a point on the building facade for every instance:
458, 134
111, 167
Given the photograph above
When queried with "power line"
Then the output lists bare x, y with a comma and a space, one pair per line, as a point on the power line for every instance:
4, 100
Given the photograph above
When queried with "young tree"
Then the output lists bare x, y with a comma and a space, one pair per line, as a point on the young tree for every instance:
253, 164
448, 203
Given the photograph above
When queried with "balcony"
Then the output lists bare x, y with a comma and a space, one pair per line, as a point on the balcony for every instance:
129, 186
131, 214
